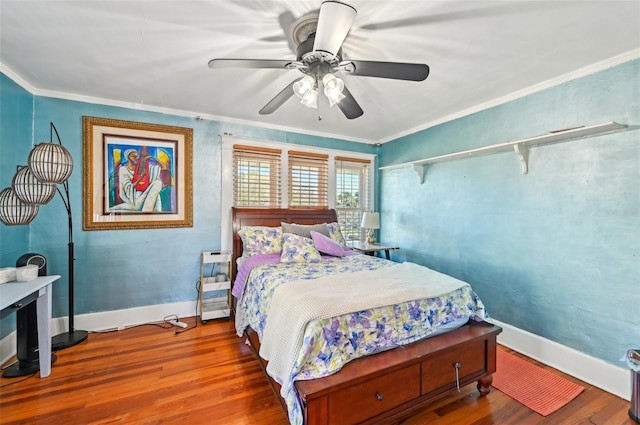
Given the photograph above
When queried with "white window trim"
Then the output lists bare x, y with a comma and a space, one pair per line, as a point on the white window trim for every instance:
226, 170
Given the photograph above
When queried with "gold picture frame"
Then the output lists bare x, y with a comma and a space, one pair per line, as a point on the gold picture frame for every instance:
135, 175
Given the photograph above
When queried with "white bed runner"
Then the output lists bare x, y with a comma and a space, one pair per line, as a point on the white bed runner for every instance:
294, 304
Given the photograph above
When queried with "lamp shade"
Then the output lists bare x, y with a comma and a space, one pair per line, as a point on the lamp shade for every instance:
304, 85
310, 100
13, 211
50, 163
30, 190
370, 220
333, 88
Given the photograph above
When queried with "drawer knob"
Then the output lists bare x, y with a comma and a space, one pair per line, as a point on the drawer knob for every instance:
379, 396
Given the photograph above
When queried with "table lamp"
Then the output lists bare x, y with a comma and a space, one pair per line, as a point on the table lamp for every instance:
370, 221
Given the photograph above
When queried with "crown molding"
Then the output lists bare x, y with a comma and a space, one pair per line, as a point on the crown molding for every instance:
18, 79
574, 75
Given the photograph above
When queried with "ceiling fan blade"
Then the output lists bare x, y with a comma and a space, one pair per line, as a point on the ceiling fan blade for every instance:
248, 63
349, 106
334, 23
393, 70
278, 100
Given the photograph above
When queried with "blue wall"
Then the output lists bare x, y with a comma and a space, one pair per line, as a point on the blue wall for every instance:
555, 252
124, 268
16, 117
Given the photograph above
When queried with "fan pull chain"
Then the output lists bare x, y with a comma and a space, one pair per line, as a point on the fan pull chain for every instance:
319, 98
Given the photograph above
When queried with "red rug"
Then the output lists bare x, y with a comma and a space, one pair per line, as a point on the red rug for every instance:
538, 389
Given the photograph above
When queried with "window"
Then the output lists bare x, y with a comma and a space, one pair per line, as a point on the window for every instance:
352, 194
265, 174
256, 177
308, 180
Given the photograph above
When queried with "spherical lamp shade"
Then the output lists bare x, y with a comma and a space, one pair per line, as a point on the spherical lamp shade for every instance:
30, 190
13, 211
50, 163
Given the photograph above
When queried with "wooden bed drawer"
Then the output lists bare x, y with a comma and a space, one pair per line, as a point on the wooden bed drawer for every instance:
440, 370
362, 401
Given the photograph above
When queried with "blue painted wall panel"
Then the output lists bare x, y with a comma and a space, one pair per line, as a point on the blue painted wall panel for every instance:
555, 252
16, 117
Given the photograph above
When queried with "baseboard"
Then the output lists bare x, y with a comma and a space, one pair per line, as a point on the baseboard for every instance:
610, 378
107, 320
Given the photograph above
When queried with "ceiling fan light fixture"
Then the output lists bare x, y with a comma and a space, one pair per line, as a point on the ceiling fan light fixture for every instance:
304, 86
310, 99
335, 99
333, 88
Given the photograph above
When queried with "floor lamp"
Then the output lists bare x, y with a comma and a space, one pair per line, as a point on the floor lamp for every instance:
50, 165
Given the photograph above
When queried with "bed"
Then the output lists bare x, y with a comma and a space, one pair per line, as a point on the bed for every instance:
349, 361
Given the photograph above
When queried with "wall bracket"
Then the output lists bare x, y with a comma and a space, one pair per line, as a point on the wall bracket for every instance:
522, 151
420, 170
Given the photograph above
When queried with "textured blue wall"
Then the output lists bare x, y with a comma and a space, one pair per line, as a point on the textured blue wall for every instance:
555, 252
16, 117
126, 268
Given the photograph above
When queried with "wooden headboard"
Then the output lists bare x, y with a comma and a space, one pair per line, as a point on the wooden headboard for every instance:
272, 217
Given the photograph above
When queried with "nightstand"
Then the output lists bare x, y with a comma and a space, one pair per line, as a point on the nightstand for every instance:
371, 248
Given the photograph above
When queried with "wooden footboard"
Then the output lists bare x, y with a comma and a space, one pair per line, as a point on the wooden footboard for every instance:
390, 385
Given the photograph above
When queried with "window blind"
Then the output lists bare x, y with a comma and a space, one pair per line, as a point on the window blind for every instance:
308, 180
256, 177
352, 194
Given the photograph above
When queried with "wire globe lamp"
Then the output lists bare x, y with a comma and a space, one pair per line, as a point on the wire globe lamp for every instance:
30, 190
13, 211
50, 162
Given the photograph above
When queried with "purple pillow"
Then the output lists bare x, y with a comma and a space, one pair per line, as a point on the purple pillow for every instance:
326, 245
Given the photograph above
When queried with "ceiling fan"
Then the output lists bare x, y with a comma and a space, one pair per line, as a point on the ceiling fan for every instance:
319, 37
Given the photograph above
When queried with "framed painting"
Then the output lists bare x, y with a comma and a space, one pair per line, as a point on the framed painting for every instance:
135, 175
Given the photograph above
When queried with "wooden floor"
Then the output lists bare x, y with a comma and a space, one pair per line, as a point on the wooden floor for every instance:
207, 375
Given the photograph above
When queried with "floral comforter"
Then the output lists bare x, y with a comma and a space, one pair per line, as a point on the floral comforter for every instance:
331, 343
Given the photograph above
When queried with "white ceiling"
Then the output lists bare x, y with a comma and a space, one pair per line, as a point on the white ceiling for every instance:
154, 54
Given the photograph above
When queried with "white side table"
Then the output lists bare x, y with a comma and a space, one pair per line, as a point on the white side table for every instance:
15, 295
